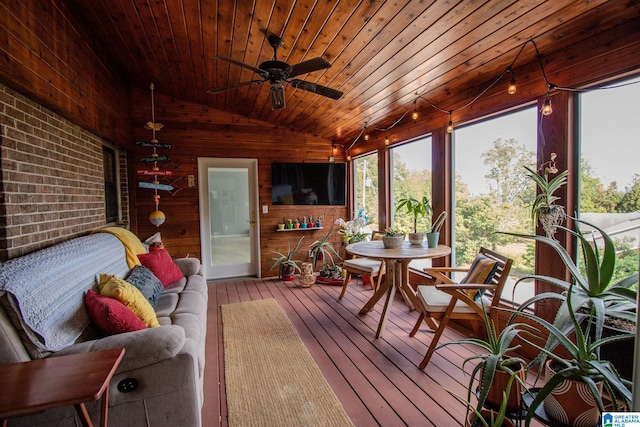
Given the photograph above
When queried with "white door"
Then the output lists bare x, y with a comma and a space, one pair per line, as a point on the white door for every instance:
228, 217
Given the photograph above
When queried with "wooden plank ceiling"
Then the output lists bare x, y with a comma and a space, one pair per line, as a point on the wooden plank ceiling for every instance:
382, 53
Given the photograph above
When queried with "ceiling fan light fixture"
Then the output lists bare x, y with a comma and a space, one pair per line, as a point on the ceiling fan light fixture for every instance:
276, 94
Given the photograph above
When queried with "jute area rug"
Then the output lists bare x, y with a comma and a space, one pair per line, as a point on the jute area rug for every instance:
271, 379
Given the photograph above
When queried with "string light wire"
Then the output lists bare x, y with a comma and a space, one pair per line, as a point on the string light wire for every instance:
547, 104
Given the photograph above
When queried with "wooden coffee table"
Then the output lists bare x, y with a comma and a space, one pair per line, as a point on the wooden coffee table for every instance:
37, 385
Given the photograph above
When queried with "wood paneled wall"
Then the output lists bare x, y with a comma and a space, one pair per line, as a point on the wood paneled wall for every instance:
197, 131
49, 55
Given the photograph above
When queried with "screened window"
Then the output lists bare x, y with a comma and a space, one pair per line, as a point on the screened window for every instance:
492, 192
365, 187
609, 172
410, 176
109, 160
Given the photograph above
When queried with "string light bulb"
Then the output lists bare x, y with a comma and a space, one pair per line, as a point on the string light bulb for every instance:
414, 115
450, 125
366, 136
546, 107
386, 140
512, 87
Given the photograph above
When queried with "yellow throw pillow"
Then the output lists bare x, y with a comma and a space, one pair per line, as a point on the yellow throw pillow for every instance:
115, 287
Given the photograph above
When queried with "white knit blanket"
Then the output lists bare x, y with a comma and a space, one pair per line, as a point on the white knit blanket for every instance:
46, 287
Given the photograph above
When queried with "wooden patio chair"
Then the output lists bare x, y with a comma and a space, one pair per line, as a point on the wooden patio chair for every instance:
373, 268
480, 289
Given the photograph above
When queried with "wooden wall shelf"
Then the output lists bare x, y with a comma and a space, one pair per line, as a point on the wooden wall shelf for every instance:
300, 229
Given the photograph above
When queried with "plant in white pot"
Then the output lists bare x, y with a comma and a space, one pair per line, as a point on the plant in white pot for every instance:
416, 208
392, 238
433, 235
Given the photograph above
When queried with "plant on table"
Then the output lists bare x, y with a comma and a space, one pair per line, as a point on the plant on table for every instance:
416, 208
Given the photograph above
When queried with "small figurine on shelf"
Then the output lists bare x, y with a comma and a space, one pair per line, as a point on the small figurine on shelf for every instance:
296, 223
305, 224
289, 224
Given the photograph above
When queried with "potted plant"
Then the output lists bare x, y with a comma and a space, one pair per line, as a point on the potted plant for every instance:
573, 392
497, 368
287, 266
595, 295
479, 417
433, 235
324, 250
544, 208
416, 208
392, 238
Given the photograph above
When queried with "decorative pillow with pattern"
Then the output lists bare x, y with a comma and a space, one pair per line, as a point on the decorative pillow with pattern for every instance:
147, 283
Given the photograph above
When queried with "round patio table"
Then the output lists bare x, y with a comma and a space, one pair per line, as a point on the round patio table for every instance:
397, 277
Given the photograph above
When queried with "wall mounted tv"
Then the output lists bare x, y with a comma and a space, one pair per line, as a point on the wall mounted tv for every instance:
308, 183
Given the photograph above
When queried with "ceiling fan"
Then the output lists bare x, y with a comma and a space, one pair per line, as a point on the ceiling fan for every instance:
276, 72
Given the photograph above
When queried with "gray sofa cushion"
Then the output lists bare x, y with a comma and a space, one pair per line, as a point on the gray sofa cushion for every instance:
146, 282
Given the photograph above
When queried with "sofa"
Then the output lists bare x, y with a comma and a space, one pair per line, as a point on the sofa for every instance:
159, 382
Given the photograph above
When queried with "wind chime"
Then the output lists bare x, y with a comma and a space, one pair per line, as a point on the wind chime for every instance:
156, 217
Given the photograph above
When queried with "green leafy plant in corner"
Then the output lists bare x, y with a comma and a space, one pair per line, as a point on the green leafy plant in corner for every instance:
416, 208
286, 259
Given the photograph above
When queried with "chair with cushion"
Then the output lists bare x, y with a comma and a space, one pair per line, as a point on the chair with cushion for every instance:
444, 300
373, 268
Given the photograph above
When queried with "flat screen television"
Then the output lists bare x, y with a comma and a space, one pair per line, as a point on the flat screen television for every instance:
308, 183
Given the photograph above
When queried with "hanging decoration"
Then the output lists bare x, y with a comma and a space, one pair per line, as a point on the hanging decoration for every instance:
156, 217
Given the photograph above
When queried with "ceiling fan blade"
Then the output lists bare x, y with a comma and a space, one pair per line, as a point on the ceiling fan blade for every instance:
316, 88
222, 89
305, 67
263, 73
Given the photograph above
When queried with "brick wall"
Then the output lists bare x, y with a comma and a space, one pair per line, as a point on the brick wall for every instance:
51, 178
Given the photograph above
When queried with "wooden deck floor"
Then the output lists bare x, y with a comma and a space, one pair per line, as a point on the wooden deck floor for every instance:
377, 380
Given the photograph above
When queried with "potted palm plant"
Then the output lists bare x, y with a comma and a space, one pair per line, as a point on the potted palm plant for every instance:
287, 266
544, 208
416, 208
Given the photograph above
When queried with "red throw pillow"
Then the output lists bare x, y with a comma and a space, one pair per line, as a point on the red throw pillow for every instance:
110, 315
162, 266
